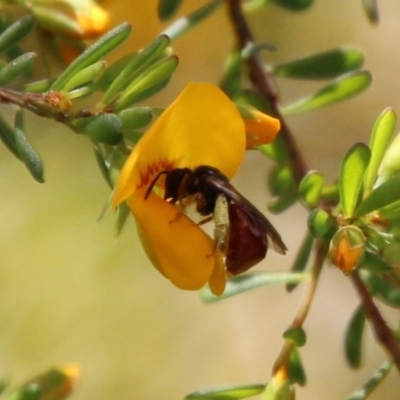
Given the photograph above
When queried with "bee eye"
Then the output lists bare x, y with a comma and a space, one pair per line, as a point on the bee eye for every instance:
173, 183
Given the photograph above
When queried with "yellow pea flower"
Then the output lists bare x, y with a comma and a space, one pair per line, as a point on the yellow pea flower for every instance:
201, 127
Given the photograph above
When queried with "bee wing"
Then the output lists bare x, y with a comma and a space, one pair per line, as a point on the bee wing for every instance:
274, 238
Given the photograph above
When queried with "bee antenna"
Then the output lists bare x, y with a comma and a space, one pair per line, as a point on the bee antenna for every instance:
153, 182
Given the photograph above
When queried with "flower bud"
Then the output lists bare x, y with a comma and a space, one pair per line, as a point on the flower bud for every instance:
347, 248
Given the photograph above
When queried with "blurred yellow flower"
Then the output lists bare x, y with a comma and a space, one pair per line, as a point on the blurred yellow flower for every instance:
80, 19
201, 127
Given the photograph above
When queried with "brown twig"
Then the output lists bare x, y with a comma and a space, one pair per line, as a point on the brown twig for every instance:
321, 251
42, 104
263, 83
381, 330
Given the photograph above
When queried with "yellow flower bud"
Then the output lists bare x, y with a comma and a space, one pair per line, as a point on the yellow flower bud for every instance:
347, 248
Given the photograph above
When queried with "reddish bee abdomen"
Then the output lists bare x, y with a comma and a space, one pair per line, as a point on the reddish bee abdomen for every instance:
247, 241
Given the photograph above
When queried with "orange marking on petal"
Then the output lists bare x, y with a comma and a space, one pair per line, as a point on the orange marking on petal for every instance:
147, 176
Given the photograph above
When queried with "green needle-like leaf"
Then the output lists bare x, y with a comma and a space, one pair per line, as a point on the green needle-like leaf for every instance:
16, 31
281, 180
319, 222
341, 89
85, 76
136, 117
123, 213
104, 128
105, 172
157, 73
281, 203
167, 8
17, 67
328, 64
94, 53
351, 177
138, 64
310, 188
373, 382
382, 196
112, 71
276, 151
380, 138
227, 392
354, 338
7, 137
243, 283
29, 156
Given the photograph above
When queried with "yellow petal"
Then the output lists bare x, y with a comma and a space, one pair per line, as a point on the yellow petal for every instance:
217, 281
201, 127
262, 129
176, 246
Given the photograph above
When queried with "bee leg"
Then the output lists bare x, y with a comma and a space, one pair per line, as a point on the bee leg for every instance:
221, 222
205, 220
180, 209
178, 215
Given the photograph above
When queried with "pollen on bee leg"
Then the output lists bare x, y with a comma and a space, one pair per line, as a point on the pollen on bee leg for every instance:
221, 224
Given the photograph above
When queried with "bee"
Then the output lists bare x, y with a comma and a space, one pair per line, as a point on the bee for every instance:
242, 232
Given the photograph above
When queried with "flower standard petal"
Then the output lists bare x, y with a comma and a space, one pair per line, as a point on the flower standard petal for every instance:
176, 246
201, 127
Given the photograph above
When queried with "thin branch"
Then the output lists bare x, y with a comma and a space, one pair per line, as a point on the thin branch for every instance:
381, 330
263, 83
321, 251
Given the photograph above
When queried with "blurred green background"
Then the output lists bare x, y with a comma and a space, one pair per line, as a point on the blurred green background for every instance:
71, 292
